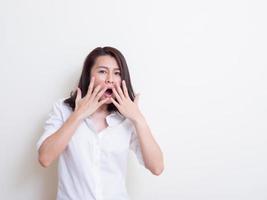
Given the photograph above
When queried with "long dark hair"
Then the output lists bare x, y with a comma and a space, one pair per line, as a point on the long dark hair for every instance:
86, 74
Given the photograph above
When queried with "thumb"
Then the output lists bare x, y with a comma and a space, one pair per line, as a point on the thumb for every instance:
78, 96
136, 99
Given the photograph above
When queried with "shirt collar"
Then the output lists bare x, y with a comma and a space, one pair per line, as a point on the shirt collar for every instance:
114, 118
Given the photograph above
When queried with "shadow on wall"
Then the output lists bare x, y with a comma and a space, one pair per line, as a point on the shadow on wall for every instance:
30, 173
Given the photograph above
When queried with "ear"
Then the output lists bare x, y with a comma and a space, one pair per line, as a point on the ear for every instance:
136, 99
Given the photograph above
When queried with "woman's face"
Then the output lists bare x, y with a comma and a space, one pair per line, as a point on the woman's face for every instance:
107, 73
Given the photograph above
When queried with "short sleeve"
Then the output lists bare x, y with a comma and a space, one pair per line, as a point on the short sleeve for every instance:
135, 146
53, 122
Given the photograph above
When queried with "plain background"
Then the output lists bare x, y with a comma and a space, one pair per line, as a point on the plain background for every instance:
200, 67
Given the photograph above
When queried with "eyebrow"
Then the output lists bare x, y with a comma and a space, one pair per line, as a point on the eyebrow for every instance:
107, 67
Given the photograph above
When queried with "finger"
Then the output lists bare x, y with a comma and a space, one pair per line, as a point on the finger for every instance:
115, 102
136, 99
102, 102
78, 95
91, 86
98, 96
125, 90
96, 90
120, 91
116, 95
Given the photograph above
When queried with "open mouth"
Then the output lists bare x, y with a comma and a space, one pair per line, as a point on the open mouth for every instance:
108, 92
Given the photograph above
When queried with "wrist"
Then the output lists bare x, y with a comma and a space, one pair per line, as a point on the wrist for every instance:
138, 119
77, 116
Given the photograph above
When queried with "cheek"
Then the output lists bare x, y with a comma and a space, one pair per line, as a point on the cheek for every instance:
118, 80
97, 82
98, 78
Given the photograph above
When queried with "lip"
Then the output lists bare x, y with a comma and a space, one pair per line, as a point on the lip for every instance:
108, 95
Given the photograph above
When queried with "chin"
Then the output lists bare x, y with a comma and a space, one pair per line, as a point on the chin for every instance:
108, 102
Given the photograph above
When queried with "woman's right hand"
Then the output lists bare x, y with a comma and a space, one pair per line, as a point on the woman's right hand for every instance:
86, 106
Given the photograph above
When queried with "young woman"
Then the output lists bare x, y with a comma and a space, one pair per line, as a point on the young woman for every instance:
92, 131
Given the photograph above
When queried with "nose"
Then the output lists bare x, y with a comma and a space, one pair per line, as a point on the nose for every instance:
109, 79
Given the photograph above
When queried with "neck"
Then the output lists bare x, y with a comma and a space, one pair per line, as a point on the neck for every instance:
102, 110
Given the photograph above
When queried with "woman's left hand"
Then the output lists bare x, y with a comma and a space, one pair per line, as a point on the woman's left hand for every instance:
125, 105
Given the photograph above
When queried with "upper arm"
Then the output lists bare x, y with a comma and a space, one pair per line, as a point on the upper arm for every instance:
135, 146
52, 124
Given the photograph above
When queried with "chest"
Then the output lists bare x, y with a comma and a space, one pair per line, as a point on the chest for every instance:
112, 142
99, 124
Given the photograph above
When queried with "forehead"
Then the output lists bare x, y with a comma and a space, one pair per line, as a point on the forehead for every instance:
106, 61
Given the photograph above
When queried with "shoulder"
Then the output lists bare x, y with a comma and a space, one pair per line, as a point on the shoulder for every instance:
60, 103
62, 108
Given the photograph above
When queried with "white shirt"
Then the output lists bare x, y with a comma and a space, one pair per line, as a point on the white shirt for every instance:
93, 165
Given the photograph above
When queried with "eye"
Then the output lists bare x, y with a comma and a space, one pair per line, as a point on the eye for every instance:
102, 71
117, 73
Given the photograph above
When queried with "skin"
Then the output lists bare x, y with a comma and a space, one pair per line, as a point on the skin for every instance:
94, 104
105, 73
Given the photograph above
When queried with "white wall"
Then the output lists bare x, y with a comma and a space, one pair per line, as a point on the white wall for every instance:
200, 67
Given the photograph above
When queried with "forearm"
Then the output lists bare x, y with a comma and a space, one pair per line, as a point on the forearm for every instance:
152, 154
55, 144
